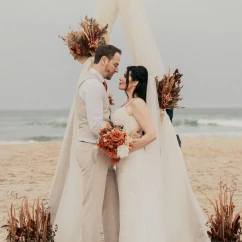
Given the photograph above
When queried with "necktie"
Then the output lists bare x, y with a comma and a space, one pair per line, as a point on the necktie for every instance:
105, 85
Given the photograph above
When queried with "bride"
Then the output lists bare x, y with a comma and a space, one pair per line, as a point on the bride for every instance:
140, 213
145, 204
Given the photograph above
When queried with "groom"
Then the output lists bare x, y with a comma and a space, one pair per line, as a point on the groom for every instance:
100, 194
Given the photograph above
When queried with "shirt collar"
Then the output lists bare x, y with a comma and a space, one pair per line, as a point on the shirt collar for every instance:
96, 73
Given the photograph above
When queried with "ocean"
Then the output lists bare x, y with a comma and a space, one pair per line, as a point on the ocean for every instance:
49, 125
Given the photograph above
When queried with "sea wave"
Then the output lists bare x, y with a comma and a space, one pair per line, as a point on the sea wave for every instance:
60, 123
208, 122
30, 140
43, 138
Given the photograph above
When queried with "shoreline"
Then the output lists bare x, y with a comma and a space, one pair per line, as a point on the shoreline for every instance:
21, 142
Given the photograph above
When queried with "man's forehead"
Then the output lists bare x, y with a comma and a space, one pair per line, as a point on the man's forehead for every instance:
116, 57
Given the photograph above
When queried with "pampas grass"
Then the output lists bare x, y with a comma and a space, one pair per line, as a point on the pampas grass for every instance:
224, 225
31, 225
168, 90
84, 42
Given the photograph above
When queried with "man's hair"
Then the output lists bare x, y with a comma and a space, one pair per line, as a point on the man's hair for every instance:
106, 50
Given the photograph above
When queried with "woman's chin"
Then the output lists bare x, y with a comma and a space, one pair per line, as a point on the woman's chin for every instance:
121, 88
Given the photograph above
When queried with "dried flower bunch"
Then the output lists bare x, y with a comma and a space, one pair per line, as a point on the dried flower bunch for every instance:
111, 101
225, 226
168, 90
114, 142
84, 43
33, 224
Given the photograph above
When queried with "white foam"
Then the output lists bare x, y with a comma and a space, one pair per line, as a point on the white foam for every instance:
221, 122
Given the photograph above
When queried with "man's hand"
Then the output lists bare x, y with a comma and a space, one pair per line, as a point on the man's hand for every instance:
135, 134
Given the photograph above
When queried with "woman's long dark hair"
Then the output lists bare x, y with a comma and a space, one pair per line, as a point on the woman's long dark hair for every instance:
140, 74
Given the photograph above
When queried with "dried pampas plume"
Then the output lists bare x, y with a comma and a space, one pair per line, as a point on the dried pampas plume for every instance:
168, 90
84, 43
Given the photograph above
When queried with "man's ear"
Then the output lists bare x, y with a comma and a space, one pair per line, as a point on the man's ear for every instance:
104, 60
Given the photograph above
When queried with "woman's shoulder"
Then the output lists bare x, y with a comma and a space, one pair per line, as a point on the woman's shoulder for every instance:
137, 102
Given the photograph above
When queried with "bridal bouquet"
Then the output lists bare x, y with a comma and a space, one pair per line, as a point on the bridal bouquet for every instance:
114, 142
168, 90
84, 43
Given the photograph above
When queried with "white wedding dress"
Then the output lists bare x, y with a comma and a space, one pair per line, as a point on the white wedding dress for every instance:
148, 196
135, 226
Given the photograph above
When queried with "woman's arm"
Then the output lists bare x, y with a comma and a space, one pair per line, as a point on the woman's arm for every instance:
141, 113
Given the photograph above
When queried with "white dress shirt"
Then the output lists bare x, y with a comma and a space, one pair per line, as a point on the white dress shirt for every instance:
92, 93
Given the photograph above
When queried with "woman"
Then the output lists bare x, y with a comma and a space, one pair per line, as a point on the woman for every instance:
135, 117
140, 175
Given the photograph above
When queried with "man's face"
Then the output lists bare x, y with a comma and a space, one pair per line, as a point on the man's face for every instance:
111, 66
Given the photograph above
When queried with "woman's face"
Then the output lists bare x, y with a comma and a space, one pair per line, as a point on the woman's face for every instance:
122, 82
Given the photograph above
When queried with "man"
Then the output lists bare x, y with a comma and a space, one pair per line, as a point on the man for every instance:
170, 114
100, 194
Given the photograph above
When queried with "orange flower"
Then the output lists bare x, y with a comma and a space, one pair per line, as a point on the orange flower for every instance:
116, 135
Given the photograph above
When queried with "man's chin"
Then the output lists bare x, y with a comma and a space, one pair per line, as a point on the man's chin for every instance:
109, 77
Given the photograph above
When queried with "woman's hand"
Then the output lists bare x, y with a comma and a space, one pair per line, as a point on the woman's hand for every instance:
142, 115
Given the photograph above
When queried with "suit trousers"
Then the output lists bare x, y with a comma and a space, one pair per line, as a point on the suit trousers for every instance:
100, 194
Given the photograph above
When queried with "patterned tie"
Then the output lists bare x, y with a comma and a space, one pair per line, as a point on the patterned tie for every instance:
105, 85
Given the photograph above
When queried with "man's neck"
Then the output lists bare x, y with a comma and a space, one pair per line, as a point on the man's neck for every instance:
96, 68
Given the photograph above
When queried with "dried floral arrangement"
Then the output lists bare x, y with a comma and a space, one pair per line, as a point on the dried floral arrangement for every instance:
114, 142
84, 42
224, 225
31, 225
168, 90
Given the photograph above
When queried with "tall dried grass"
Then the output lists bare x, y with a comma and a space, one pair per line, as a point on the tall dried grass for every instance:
224, 225
32, 225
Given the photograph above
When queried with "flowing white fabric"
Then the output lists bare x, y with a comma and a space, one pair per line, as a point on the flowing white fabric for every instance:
168, 201
66, 190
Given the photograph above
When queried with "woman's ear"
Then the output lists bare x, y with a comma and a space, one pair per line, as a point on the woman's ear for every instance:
135, 83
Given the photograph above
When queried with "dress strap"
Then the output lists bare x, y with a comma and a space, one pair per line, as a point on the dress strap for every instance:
128, 103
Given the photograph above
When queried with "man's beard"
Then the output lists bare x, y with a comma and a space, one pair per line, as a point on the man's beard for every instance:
109, 76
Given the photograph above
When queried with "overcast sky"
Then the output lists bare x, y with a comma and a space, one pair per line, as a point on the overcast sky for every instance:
201, 38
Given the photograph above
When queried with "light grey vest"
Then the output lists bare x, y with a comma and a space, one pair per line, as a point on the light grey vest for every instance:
80, 110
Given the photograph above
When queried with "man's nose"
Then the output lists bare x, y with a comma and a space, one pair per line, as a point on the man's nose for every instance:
117, 70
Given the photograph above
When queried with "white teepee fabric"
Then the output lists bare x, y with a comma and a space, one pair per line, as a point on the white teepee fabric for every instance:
178, 214
166, 177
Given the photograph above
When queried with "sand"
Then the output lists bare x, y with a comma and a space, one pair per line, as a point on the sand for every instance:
27, 169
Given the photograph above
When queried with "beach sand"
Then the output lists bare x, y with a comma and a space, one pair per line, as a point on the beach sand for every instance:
28, 169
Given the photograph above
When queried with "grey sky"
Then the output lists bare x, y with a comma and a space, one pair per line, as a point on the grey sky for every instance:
201, 38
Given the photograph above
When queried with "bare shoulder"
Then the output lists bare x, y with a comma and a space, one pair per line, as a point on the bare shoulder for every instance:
138, 107
138, 103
